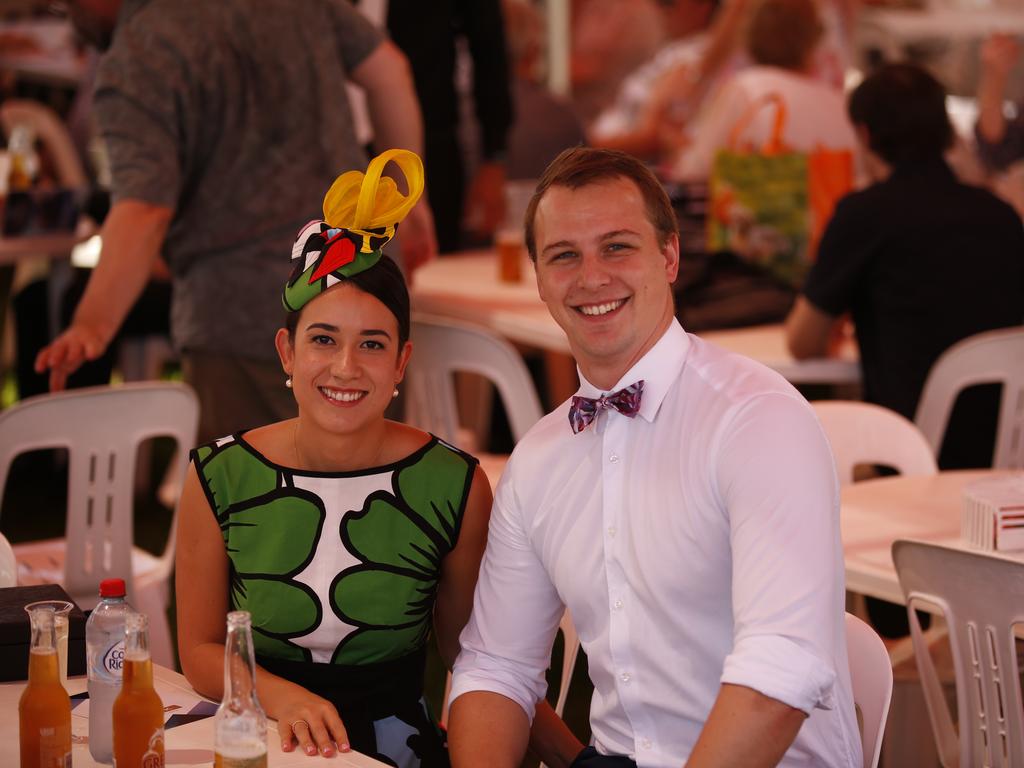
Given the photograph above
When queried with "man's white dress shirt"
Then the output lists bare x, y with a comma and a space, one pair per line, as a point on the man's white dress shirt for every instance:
695, 544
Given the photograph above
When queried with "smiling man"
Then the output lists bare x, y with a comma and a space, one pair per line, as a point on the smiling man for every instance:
682, 506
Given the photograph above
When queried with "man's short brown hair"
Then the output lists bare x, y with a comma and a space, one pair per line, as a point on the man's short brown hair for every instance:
582, 166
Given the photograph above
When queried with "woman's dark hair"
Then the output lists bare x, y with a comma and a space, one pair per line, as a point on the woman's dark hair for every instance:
903, 109
385, 282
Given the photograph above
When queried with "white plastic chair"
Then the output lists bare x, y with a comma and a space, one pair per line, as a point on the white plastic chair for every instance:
8, 564
442, 348
985, 358
871, 677
864, 433
101, 428
981, 596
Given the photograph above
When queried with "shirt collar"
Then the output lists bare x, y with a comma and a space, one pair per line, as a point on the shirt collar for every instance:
659, 369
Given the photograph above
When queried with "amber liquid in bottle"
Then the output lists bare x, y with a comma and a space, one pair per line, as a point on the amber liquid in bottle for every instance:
44, 710
138, 713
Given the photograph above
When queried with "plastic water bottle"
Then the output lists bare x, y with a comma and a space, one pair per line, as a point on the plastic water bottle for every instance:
104, 640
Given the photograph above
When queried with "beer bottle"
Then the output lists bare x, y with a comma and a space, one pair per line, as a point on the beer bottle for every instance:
44, 710
240, 730
138, 711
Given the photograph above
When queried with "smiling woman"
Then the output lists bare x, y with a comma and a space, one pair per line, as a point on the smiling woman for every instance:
346, 536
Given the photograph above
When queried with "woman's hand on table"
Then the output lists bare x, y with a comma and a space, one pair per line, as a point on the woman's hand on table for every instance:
67, 352
312, 723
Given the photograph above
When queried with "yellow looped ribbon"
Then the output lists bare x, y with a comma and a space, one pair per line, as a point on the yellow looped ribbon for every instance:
361, 202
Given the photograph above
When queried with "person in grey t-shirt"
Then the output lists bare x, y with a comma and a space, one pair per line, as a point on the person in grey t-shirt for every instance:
225, 123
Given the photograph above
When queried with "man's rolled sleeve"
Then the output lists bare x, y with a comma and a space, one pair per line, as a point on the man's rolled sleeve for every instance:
780, 669
778, 483
506, 646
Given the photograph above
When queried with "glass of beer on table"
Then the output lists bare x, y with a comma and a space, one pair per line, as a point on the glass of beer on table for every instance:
61, 611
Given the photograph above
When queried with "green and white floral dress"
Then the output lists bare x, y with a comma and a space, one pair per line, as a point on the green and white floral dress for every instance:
340, 572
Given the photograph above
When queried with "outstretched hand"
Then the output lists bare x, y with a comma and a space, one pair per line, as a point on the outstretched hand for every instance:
311, 723
67, 352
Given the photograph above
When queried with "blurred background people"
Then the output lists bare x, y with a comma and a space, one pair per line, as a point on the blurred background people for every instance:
630, 123
918, 258
608, 40
219, 148
431, 35
1000, 141
696, 67
544, 124
781, 41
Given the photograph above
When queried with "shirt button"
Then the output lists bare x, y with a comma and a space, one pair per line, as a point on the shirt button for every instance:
625, 677
645, 743
611, 531
613, 458
617, 605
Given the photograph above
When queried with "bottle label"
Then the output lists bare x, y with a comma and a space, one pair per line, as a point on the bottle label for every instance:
154, 756
113, 659
54, 747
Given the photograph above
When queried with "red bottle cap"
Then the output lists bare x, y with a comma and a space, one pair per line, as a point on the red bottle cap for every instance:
112, 588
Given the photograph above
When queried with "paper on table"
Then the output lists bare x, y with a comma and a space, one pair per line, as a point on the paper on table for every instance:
180, 706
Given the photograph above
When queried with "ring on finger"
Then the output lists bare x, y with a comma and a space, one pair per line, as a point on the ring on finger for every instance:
300, 722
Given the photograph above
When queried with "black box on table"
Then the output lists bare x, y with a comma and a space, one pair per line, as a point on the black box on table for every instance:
16, 632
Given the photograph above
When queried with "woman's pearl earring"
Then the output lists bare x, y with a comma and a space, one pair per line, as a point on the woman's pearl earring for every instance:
394, 394
288, 382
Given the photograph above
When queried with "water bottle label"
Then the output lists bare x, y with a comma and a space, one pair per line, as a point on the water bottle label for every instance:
113, 659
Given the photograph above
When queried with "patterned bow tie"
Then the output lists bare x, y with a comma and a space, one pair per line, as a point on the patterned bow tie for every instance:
626, 401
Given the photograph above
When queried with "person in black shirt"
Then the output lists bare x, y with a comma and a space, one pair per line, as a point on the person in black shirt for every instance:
920, 260
427, 34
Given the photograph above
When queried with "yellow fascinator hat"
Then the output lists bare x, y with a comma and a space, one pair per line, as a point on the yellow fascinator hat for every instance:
362, 211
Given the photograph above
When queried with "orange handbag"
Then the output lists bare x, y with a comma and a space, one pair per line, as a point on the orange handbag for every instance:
770, 204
